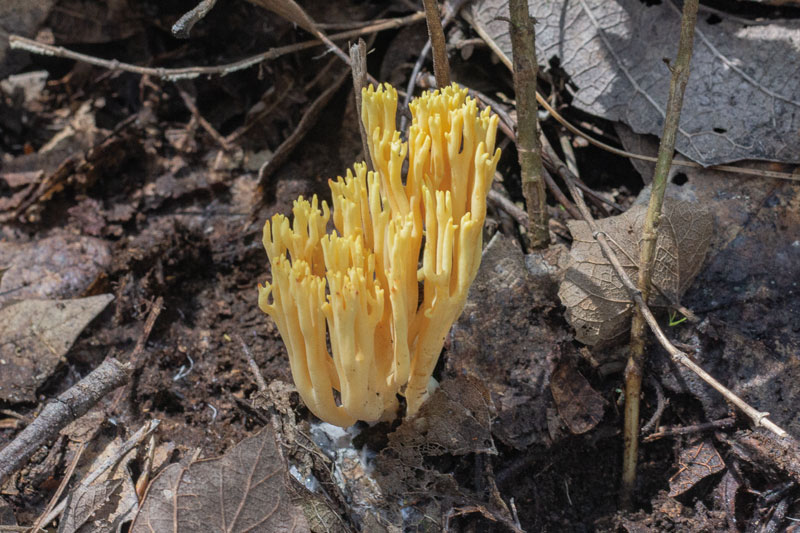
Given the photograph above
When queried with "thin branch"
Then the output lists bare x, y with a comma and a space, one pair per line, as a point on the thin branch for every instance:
661, 404
262, 384
358, 64
526, 68
508, 127
61, 487
136, 360
190, 104
147, 428
441, 68
451, 11
172, 74
666, 149
688, 430
183, 27
285, 149
68, 407
293, 12
759, 418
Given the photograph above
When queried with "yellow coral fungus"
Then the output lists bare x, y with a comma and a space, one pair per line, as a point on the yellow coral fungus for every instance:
346, 303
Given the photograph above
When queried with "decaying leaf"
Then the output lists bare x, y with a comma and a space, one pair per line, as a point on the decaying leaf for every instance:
696, 462
579, 405
95, 501
35, 335
598, 305
59, 266
109, 500
456, 420
503, 338
739, 102
243, 490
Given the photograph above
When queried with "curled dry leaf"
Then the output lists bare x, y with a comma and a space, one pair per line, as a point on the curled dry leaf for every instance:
244, 490
598, 305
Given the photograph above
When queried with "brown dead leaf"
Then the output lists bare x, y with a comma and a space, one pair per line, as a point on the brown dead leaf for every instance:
35, 335
503, 338
109, 500
243, 490
580, 406
598, 305
60, 266
456, 420
696, 462
96, 500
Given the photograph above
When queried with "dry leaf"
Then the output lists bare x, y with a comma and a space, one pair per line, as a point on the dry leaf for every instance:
579, 405
598, 305
60, 266
244, 490
503, 338
35, 335
739, 102
456, 420
90, 503
110, 500
696, 462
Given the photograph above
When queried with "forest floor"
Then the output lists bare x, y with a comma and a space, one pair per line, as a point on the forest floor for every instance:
116, 183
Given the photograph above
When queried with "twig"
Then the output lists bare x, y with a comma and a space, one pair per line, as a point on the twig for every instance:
569, 153
61, 486
441, 68
244, 128
173, 74
291, 11
507, 126
73, 164
607, 147
135, 361
450, 13
121, 452
262, 385
661, 404
69, 406
759, 418
517, 213
572, 164
599, 197
283, 152
183, 27
689, 430
189, 102
666, 149
526, 68
358, 65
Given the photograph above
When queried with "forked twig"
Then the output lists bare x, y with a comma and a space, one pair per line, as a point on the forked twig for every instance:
666, 148
172, 74
759, 418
